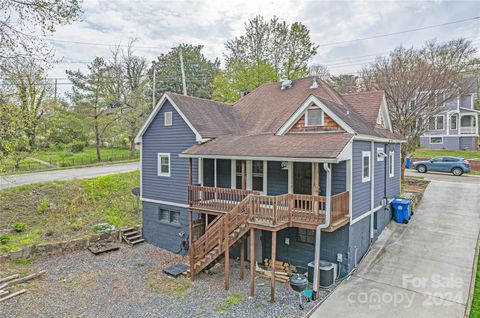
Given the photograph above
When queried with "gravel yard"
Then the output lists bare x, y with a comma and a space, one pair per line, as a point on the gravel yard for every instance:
130, 283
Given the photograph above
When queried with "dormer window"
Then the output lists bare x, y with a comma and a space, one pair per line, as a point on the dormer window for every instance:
314, 116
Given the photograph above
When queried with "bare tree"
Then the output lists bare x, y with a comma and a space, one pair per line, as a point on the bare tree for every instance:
320, 71
417, 82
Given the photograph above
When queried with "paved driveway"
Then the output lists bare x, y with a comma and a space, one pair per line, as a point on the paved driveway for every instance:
422, 269
67, 174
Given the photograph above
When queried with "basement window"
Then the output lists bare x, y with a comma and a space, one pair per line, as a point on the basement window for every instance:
305, 236
168, 216
314, 117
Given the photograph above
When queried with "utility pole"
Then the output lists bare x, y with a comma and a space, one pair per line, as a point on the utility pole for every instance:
153, 86
55, 92
184, 82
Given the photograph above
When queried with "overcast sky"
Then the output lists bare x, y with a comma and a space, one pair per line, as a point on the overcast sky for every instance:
160, 25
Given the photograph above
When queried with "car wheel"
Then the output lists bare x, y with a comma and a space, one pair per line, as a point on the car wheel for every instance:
457, 171
422, 168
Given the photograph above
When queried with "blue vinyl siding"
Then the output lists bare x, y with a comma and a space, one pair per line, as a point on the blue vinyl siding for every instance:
360, 190
380, 171
277, 179
339, 178
394, 183
167, 139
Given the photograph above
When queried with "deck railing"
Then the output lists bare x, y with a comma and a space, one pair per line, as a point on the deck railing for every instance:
269, 210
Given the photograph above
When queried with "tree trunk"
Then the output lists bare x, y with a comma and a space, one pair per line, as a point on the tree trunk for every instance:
133, 149
97, 140
403, 154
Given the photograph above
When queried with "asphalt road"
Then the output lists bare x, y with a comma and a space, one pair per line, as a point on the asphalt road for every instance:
445, 177
67, 174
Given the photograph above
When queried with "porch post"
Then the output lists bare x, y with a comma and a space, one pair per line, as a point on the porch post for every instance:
274, 247
190, 244
252, 262
190, 171
244, 178
242, 258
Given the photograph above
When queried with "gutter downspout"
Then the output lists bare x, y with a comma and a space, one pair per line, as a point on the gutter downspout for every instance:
318, 231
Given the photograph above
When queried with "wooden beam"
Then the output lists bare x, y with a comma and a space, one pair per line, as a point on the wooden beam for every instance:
242, 258
190, 171
227, 255
191, 252
274, 247
244, 177
252, 262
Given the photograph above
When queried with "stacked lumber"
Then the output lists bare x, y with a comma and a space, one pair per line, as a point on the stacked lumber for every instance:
283, 270
279, 265
7, 282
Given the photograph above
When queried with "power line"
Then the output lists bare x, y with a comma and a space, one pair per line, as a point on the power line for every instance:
400, 32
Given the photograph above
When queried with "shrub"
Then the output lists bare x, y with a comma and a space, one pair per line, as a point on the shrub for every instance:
61, 147
77, 146
4, 239
19, 226
43, 206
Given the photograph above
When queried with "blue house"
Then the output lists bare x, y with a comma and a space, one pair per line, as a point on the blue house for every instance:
456, 127
293, 171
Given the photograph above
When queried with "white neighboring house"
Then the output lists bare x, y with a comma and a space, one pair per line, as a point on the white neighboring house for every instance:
456, 128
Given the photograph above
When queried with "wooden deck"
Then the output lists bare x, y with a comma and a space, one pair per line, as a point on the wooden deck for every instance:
271, 212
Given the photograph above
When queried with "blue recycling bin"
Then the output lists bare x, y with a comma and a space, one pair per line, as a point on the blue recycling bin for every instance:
408, 162
401, 210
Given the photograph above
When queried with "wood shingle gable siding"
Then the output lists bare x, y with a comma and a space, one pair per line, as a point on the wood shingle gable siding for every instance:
329, 125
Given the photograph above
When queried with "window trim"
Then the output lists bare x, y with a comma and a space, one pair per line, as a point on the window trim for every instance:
456, 122
159, 164
366, 154
435, 143
322, 117
391, 164
165, 122
436, 123
169, 214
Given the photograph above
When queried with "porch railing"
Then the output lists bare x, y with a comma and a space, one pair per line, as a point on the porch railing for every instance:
270, 210
468, 130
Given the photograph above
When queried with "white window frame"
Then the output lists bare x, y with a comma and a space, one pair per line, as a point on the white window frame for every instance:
369, 156
435, 143
391, 164
322, 122
436, 122
168, 118
159, 163
456, 122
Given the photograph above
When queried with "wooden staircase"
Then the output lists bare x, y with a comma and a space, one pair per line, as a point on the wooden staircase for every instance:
224, 232
131, 236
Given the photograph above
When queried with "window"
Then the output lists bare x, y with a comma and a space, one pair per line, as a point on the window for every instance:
238, 173
365, 166
257, 175
375, 220
435, 123
438, 159
168, 216
453, 122
167, 118
305, 236
391, 164
314, 117
163, 165
436, 140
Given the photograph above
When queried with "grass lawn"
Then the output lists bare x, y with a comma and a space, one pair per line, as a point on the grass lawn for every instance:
475, 310
430, 153
56, 211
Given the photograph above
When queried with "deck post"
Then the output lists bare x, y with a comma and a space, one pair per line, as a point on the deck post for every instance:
274, 247
227, 256
190, 244
242, 258
252, 262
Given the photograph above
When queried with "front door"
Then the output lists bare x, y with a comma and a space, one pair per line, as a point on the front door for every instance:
302, 177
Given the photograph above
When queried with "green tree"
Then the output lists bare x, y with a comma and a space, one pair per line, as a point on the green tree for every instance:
14, 143
265, 46
19, 19
199, 72
344, 83
94, 99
